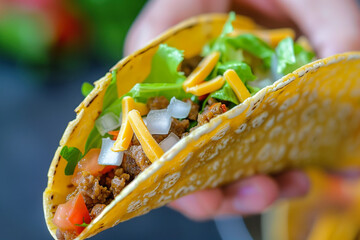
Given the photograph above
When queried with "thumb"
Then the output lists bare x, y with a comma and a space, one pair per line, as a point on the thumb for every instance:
158, 15
333, 26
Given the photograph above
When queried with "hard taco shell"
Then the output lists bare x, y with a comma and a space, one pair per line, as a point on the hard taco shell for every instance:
309, 117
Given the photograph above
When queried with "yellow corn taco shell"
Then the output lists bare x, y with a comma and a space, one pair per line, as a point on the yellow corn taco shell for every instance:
309, 117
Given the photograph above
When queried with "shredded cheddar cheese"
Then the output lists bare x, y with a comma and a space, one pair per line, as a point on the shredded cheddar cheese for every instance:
237, 85
202, 70
125, 135
142, 108
151, 148
207, 87
272, 36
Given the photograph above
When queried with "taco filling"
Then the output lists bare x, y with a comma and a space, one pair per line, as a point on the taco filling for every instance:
178, 96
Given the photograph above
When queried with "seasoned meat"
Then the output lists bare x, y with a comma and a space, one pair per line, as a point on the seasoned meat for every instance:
119, 181
194, 109
65, 235
211, 111
136, 152
211, 101
91, 190
157, 103
179, 127
105, 179
96, 210
130, 166
189, 64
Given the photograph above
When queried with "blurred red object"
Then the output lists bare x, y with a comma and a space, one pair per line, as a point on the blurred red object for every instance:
62, 18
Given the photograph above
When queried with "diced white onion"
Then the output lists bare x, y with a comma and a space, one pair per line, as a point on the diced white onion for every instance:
107, 156
158, 121
179, 109
107, 123
169, 141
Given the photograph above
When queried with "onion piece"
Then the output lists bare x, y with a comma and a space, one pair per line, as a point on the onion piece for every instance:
107, 156
107, 123
178, 108
169, 142
158, 121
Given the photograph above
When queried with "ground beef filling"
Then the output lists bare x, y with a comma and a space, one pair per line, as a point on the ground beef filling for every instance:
211, 110
65, 235
189, 64
99, 191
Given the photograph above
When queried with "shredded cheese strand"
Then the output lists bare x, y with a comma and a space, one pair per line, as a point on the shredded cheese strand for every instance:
125, 135
151, 148
207, 87
237, 85
272, 36
202, 70
142, 108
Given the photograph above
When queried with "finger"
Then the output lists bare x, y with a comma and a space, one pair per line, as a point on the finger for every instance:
333, 26
264, 12
158, 15
249, 196
294, 183
199, 205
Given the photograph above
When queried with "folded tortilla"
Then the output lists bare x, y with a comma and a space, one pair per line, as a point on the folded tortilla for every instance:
308, 117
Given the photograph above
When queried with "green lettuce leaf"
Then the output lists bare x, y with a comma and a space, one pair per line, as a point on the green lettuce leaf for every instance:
242, 69
253, 45
227, 51
86, 88
285, 54
228, 28
141, 92
111, 92
72, 155
225, 94
291, 56
93, 140
164, 66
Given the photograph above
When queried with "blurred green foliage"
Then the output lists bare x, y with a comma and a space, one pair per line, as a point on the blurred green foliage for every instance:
66, 32
25, 37
109, 22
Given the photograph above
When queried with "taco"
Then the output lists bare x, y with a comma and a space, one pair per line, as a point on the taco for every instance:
196, 108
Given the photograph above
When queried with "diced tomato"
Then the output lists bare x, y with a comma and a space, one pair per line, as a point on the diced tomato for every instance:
90, 164
203, 97
108, 169
223, 107
72, 212
114, 134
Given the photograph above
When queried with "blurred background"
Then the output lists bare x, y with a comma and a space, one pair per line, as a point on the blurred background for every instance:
48, 48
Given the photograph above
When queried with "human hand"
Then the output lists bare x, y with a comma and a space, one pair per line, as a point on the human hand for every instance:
244, 197
332, 26
320, 20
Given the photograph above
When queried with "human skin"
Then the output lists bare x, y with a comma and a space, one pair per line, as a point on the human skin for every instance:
332, 26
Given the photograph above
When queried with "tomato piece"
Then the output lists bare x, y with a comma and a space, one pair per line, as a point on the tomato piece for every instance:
90, 164
72, 212
203, 97
223, 107
108, 169
114, 134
